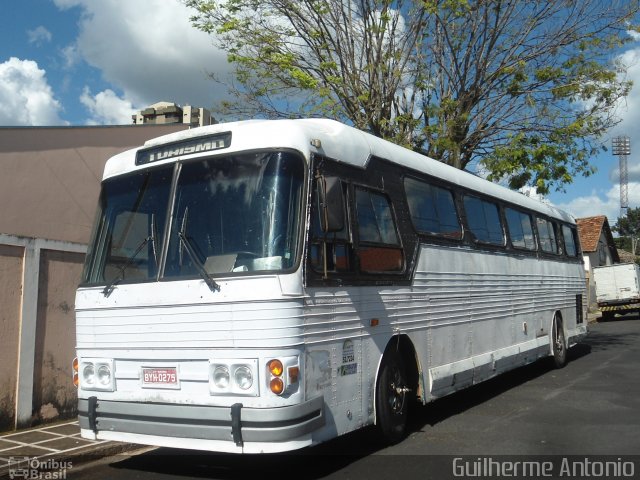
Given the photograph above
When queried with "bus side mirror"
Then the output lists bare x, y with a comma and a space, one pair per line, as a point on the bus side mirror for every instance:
331, 204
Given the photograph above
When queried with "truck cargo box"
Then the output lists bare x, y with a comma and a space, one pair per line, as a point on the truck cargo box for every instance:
617, 288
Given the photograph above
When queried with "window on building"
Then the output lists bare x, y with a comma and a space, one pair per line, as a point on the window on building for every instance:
602, 253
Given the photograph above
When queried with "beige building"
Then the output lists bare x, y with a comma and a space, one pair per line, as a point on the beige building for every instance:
162, 113
49, 185
598, 249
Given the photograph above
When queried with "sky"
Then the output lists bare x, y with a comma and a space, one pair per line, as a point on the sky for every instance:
96, 62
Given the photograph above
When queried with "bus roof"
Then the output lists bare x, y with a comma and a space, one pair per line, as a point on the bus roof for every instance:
327, 137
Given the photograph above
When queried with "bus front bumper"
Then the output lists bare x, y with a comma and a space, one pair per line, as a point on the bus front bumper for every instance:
233, 424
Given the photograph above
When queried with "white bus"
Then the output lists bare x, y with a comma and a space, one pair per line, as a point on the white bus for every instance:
262, 286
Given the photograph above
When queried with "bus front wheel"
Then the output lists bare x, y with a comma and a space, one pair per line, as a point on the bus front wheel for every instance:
392, 398
558, 344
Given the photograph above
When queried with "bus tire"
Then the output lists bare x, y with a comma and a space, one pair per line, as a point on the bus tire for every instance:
392, 398
558, 344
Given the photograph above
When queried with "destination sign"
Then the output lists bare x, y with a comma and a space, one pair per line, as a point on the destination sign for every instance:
183, 147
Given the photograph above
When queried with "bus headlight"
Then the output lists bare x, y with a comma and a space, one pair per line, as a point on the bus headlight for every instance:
221, 377
89, 374
104, 375
97, 374
233, 376
243, 377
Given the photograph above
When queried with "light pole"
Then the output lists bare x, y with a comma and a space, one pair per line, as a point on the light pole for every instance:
622, 148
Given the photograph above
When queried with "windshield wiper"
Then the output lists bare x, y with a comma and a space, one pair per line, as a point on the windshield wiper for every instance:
108, 289
211, 283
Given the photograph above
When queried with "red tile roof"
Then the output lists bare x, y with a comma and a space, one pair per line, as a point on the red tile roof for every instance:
589, 231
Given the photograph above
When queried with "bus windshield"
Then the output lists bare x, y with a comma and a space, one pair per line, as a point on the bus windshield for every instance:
231, 214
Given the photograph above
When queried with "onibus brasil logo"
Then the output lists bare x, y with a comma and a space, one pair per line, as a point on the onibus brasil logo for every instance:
33, 468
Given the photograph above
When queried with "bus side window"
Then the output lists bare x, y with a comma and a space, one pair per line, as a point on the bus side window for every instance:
334, 245
547, 235
432, 208
379, 247
520, 229
483, 219
569, 235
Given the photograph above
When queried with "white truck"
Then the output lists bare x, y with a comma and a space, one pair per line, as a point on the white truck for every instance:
617, 288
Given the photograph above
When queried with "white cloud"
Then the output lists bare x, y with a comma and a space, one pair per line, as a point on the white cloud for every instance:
593, 204
70, 55
605, 203
39, 35
629, 112
107, 108
149, 50
25, 95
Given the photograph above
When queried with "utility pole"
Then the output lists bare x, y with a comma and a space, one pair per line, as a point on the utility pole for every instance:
622, 148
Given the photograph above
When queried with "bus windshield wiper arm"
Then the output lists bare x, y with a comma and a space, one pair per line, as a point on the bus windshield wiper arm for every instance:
211, 283
108, 289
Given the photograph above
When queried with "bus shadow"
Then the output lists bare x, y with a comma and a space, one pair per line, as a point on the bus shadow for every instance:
457, 403
309, 463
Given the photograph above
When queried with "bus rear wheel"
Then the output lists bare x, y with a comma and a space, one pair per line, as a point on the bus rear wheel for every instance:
558, 344
392, 398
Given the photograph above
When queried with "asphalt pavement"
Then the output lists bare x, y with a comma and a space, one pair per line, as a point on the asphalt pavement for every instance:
591, 408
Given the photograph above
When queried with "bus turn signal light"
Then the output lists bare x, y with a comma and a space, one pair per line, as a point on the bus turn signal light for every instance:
275, 367
294, 374
276, 385
75, 365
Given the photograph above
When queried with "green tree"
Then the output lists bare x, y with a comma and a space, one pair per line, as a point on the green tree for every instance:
628, 227
523, 89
